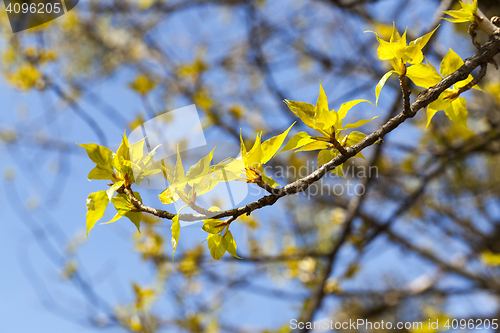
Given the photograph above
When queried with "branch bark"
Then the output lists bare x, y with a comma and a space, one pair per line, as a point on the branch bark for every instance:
483, 56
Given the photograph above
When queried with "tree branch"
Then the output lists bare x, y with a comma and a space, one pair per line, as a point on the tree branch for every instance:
484, 55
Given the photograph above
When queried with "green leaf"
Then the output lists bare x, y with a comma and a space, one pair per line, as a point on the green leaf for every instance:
253, 157
298, 140
230, 244
268, 180
136, 218
210, 226
100, 173
169, 195
322, 103
200, 169
381, 83
422, 41
354, 137
450, 63
344, 108
325, 156
465, 14
423, 75
358, 123
315, 146
338, 171
113, 189
103, 158
216, 246
176, 231
125, 208
96, 205
179, 175
305, 111
136, 150
272, 145
122, 162
430, 113
457, 112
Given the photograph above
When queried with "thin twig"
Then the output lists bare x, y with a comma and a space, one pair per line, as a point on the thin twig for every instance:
406, 94
485, 54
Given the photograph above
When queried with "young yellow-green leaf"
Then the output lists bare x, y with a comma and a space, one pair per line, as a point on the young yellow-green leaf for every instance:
113, 189
423, 75
179, 175
325, 121
169, 195
230, 244
100, 155
315, 146
322, 103
305, 111
96, 205
389, 50
338, 171
200, 169
272, 145
268, 180
325, 156
176, 231
430, 114
450, 63
121, 160
99, 173
358, 123
345, 107
354, 137
465, 14
381, 84
210, 226
253, 157
103, 158
298, 140
420, 42
216, 246
125, 208
457, 112
135, 218
136, 150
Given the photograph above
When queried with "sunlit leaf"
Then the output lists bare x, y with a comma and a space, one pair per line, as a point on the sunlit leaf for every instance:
113, 188
216, 246
272, 145
96, 206
305, 111
325, 156
359, 123
381, 84
465, 14
457, 112
269, 181
423, 75
103, 158
230, 244
298, 140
